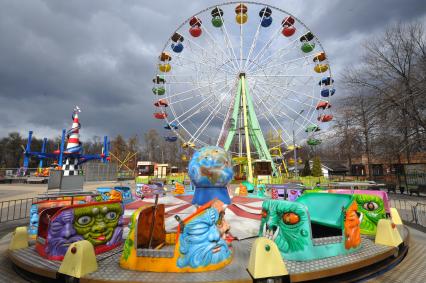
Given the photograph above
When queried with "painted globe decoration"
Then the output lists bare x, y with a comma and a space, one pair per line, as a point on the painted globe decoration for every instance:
210, 171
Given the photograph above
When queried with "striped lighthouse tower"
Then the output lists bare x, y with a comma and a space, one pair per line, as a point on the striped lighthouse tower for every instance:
71, 166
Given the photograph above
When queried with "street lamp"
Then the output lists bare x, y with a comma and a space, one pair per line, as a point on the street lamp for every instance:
296, 170
162, 153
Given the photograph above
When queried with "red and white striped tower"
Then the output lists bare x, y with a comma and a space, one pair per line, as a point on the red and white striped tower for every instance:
73, 146
74, 135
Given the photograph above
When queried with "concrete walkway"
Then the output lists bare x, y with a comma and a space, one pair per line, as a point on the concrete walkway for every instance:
413, 267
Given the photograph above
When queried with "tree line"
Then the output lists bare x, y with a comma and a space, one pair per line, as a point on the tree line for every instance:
125, 151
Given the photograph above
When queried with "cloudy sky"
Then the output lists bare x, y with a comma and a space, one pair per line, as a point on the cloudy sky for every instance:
101, 55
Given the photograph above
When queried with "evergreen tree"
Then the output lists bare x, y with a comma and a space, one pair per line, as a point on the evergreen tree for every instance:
306, 170
316, 167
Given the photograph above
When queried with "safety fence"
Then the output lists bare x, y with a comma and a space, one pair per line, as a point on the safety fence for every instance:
410, 211
92, 171
415, 179
17, 209
419, 213
97, 171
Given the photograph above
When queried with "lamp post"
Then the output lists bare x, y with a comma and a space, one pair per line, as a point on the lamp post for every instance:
296, 170
162, 153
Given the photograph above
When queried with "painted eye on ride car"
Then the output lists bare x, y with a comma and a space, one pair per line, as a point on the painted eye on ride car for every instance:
371, 205
84, 220
291, 218
264, 213
111, 215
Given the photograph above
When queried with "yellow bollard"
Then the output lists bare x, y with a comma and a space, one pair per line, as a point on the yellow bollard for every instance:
395, 216
387, 234
19, 239
79, 260
265, 260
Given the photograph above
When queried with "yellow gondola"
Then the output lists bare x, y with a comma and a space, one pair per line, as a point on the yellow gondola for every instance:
321, 68
241, 18
164, 68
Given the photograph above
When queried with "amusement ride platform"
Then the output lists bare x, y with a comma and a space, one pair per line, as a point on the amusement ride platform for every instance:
371, 258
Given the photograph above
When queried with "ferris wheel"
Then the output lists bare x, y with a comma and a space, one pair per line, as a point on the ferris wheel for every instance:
233, 72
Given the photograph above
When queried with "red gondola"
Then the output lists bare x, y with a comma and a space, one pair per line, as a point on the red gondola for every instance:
160, 115
161, 102
325, 117
288, 31
323, 105
195, 31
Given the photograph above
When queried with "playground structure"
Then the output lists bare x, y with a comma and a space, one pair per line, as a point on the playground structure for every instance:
124, 171
71, 154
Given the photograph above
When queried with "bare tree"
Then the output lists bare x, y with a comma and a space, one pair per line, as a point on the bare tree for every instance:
393, 70
348, 140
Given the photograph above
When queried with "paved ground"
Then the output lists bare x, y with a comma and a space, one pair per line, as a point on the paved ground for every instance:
413, 268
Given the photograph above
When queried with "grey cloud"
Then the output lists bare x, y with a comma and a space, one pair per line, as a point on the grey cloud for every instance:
101, 55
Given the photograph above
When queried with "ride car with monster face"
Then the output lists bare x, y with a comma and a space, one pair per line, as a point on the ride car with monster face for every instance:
373, 205
201, 242
100, 223
312, 227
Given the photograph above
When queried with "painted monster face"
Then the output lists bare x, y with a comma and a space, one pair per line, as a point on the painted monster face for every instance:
97, 223
126, 194
372, 210
286, 223
201, 242
33, 220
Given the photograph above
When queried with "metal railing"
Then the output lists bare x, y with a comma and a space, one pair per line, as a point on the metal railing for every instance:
16, 209
419, 214
415, 178
410, 211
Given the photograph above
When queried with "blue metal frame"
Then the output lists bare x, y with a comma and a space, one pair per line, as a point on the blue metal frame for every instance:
60, 156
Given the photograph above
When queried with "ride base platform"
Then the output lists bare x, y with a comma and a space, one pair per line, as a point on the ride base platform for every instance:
369, 260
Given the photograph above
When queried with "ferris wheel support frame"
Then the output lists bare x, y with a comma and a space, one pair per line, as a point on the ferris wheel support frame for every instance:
246, 129
252, 130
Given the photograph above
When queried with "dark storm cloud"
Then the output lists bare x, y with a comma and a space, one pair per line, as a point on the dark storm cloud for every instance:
101, 55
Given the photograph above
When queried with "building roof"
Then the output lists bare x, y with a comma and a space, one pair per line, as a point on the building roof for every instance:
335, 166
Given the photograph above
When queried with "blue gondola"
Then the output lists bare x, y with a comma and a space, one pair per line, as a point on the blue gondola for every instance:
170, 139
177, 47
266, 22
327, 92
171, 126
326, 81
